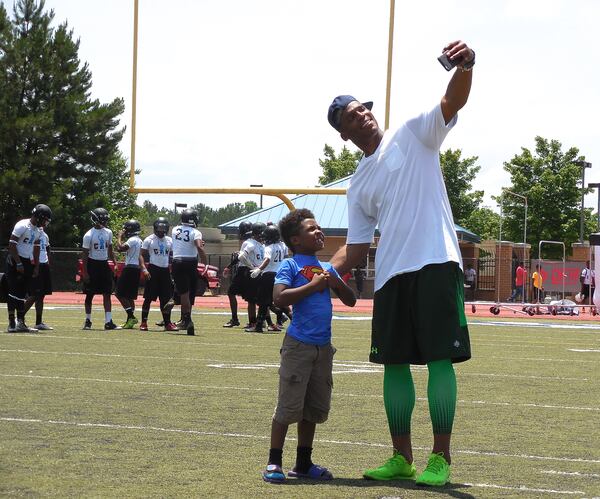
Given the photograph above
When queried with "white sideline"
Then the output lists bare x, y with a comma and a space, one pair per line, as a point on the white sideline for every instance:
511, 342
352, 395
522, 488
266, 437
221, 365
571, 473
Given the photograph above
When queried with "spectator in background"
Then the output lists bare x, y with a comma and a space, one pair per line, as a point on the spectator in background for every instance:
518, 291
471, 281
587, 283
538, 284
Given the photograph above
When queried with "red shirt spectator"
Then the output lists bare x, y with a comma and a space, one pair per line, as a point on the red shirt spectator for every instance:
520, 276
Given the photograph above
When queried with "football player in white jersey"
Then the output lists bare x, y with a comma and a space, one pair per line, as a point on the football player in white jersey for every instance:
274, 253
130, 243
96, 274
23, 249
238, 276
251, 256
156, 250
187, 247
41, 285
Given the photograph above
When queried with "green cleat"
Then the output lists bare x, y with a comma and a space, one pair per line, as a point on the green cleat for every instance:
437, 472
395, 468
129, 323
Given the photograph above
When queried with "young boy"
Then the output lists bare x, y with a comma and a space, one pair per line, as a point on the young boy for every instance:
129, 280
305, 372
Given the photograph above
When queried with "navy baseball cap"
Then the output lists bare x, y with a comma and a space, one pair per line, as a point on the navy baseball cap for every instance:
334, 115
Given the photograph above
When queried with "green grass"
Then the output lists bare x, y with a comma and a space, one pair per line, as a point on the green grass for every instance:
132, 414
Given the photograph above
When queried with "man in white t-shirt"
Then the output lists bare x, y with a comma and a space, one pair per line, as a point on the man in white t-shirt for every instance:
187, 247
22, 265
399, 188
587, 280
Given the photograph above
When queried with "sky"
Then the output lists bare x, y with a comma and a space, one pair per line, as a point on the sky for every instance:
235, 92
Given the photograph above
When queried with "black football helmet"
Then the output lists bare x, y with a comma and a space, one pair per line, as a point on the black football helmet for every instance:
189, 217
132, 228
257, 230
42, 213
161, 226
99, 216
271, 235
245, 230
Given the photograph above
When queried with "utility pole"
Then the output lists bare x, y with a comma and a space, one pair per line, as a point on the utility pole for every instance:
583, 165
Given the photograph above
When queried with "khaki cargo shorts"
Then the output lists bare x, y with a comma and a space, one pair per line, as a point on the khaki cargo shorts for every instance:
305, 382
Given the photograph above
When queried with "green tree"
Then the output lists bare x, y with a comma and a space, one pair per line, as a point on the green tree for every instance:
57, 145
458, 175
484, 222
336, 167
551, 182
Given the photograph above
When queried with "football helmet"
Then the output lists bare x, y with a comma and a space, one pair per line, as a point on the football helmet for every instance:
132, 228
271, 234
99, 216
42, 213
161, 226
189, 217
257, 230
245, 230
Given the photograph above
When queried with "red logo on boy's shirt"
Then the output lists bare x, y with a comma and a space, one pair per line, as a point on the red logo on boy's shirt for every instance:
309, 271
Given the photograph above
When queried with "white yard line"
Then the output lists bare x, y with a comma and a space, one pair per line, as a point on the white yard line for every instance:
273, 390
366, 367
522, 488
571, 473
266, 437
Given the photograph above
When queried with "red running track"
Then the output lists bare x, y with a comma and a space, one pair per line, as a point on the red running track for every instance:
363, 307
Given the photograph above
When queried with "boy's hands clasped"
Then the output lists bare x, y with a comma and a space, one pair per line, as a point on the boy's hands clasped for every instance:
320, 281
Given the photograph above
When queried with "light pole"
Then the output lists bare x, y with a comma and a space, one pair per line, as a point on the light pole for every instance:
597, 186
583, 165
524, 198
258, 185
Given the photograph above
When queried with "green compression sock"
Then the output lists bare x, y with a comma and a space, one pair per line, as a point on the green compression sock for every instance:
441, 393
398, 397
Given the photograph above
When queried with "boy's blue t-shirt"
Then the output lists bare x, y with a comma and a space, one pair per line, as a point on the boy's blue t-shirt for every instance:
311, 321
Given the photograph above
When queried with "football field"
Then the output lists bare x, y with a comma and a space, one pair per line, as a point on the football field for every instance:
154, 414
